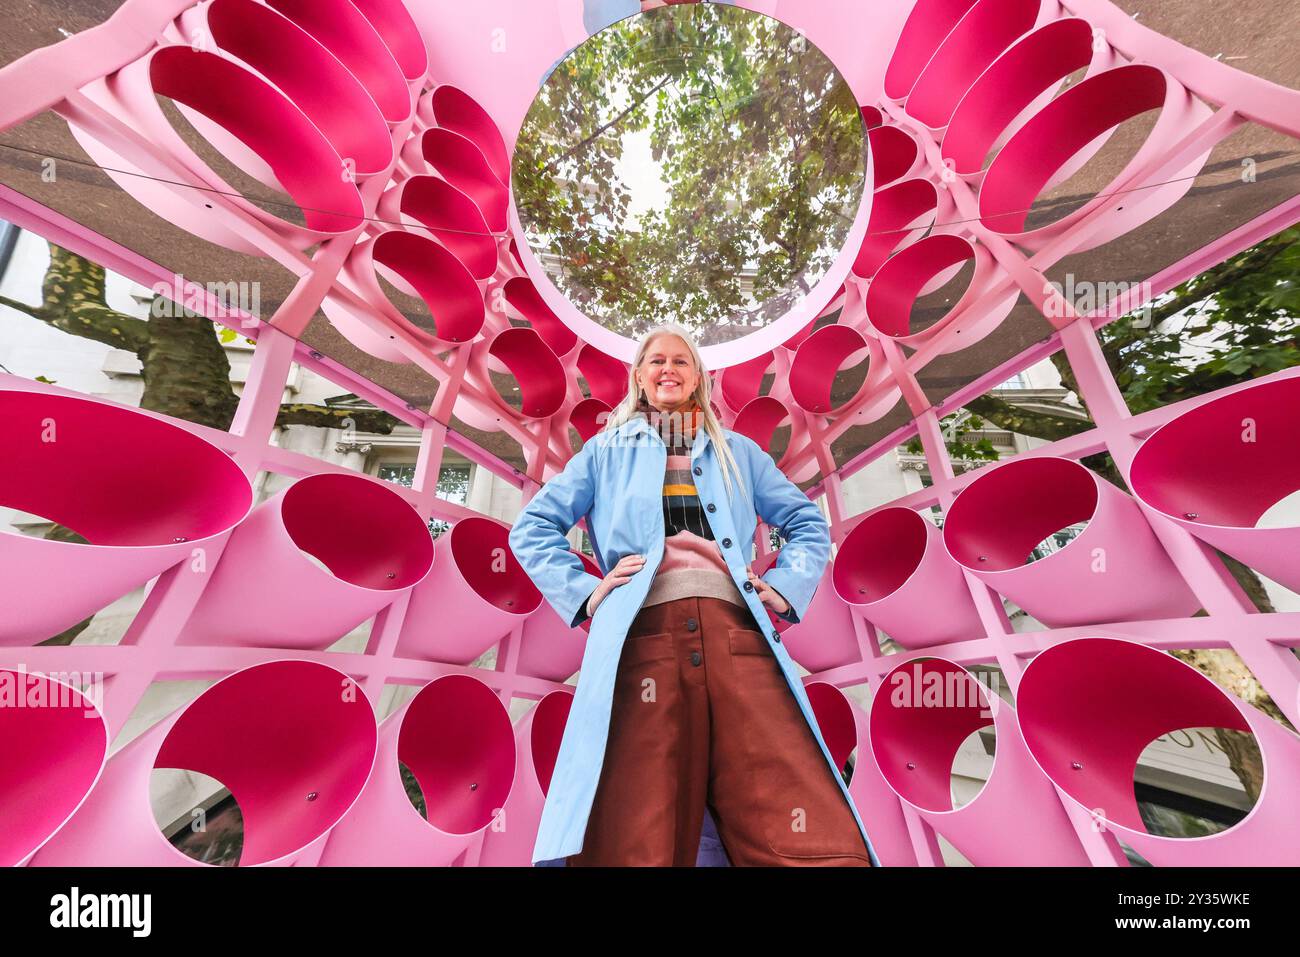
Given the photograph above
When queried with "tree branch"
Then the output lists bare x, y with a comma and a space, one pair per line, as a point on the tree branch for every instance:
375, 421
1205, 286
1039, 425
614, 122
22, 307
72, 301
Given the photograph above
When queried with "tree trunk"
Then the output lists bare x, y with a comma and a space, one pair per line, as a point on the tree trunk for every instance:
184, 367
186, 373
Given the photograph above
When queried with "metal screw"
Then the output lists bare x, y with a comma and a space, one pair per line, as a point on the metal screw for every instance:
1076, 765
983, 558
1190, 514
313, 795
180, 538
315, 355
474, 786
392, 574
911, 766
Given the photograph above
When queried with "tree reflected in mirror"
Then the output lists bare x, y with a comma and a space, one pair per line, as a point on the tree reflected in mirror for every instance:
702, 163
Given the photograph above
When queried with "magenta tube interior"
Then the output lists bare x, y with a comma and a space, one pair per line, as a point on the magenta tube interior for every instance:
983, 33
522, 294
588, 417
1081, 114
898, 283
1010, 85
1200, 466
606, 377
760, 419
454, 219
361, 531
897, 213
893, 152
812, 374
481, 550
453, 297
1098, 703
927, 25
341, 27
392, 21
270, 125
915, 743
309, 75
542, 380
154, 483
834, 714
456, 110
741, 383
546, 734
879, 555
1000, 517
53, 752
293, 750
456, 738
463, 165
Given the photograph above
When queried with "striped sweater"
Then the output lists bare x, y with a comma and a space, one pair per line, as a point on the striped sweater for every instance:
692, 565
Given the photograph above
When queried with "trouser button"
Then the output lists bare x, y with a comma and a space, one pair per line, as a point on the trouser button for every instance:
695, 658
692, 624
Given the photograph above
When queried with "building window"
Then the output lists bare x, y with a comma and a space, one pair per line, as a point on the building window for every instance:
453, 486
936, 511
1056, 541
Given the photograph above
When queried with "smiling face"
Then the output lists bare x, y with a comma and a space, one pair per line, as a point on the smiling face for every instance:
667, 373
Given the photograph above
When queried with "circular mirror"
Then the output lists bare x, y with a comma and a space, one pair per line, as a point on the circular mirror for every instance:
702, 163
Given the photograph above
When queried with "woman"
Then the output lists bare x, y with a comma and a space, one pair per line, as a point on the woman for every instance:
686, 698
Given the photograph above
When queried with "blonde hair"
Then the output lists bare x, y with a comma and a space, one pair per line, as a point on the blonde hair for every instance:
708, 421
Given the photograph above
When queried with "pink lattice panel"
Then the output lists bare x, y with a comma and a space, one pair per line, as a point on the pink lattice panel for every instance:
391, 131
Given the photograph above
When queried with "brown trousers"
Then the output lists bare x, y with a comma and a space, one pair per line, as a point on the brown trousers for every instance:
702, 715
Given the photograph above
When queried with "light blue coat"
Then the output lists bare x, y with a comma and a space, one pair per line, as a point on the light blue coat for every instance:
616, 482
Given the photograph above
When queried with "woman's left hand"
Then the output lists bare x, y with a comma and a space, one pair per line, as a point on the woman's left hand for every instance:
768, 595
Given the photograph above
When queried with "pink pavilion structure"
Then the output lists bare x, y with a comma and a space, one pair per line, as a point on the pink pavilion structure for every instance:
389, 126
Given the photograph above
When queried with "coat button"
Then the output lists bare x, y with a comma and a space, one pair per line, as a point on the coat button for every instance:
711, 507
726, 543
749, 586
692, 624
695, 658
698, 470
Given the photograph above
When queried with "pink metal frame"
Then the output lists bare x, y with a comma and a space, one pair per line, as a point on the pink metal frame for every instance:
1202, 102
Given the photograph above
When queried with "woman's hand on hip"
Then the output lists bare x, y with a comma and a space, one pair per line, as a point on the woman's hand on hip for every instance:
620, 574
768, 595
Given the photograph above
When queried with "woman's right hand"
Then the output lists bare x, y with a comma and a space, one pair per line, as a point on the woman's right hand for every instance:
620, 574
